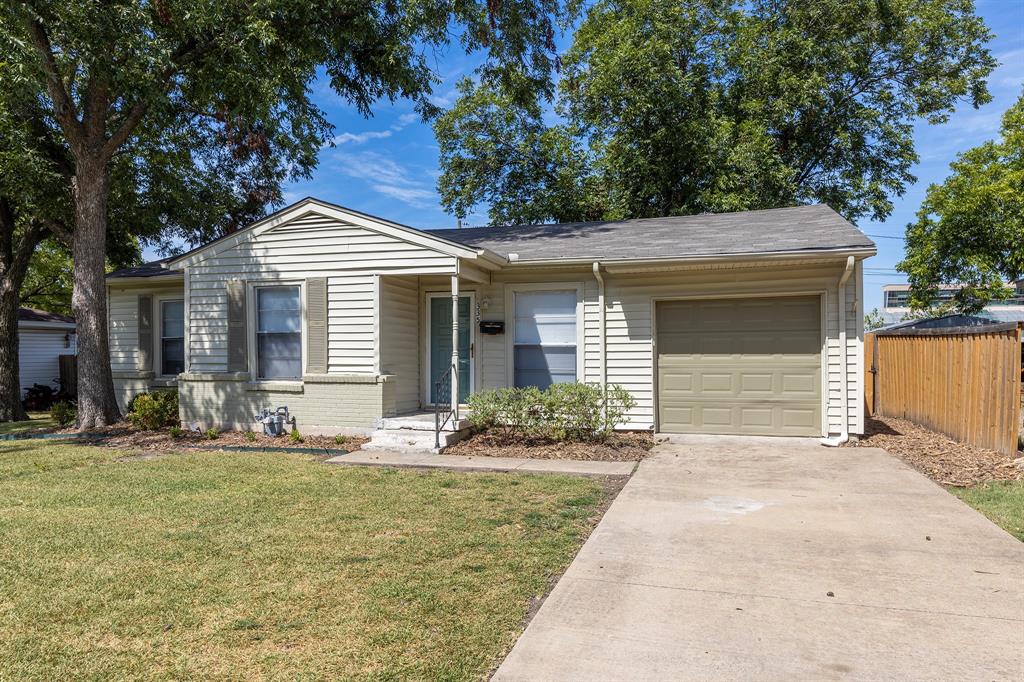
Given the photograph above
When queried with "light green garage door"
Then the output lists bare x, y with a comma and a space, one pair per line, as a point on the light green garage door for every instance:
745, 366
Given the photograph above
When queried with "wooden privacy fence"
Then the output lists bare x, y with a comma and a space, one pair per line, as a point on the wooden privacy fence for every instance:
962, 381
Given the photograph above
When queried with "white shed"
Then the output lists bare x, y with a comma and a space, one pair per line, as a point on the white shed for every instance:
42, 338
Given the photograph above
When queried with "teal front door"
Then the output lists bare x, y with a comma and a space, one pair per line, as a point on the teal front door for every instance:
441, 343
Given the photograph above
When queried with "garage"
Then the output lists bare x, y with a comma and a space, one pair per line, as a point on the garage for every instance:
740, 366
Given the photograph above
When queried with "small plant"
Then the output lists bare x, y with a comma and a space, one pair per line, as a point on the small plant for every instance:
152, 411
176, 432
212, 433
295, 436
250, 435
64, 413
341, 439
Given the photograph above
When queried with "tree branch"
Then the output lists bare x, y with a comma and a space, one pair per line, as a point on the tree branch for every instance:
63, 106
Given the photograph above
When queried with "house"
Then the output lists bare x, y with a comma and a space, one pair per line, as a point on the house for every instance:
896, 303
42, 338
745, 323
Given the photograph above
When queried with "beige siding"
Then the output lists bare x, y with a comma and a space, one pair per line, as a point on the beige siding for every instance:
629, 300
399, 341
123, 337
38, 353
311, 246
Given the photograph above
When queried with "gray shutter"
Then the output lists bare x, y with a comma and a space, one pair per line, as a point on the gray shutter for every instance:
238, 355
145, 333
316, 324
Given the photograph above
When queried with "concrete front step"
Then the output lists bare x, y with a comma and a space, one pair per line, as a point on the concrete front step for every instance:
410, 440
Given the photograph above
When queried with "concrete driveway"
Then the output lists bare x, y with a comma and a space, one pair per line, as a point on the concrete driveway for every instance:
759, 558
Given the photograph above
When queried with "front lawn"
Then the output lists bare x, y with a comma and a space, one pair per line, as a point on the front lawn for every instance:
231, 565
1001, 502
36, 421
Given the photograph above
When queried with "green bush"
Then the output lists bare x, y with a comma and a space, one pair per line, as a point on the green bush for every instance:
341, 439
212, 433
64, 413
151, 411
295, 436
250, 435
572, 411
176, 432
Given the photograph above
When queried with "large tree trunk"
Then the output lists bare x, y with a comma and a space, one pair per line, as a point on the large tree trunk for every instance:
10, 382
97, 405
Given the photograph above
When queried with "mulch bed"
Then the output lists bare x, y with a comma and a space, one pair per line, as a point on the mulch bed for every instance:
127, 437
942, 459
622, 446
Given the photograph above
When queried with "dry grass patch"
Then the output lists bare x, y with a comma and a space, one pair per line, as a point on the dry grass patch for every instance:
227, 565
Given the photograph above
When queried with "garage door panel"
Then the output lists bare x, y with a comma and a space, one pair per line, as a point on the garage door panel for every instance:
735, 366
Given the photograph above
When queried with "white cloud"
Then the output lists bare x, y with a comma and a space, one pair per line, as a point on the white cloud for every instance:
387, 177
359, 138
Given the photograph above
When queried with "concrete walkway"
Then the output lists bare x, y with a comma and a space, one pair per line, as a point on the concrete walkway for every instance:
776, 559
458, 462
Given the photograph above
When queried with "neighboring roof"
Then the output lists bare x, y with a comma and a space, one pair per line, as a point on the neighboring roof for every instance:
941, 322
36, 315
803, 228
893, 320
151, 269
781, 230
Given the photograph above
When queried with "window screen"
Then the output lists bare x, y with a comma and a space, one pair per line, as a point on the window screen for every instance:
172, 338
278, 333
545, 338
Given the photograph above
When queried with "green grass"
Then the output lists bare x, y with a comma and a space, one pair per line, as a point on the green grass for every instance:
36, 420
1002, 502
232, 565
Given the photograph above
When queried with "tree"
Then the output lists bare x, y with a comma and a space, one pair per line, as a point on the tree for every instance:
161, 89
672, 107
47, 284
873, 320
970, 229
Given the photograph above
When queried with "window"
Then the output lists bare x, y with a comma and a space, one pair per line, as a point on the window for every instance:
278, 333
545, 338
172, 338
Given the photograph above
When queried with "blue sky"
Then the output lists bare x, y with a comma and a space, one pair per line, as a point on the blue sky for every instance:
387, 165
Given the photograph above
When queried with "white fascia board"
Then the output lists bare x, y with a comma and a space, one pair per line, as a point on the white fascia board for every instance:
312, 206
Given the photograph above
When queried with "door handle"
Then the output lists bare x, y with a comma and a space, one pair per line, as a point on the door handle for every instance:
472, 350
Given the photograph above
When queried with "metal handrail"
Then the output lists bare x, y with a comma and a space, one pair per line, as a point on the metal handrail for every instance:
442, 403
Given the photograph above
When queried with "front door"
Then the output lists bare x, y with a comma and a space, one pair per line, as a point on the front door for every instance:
441, 343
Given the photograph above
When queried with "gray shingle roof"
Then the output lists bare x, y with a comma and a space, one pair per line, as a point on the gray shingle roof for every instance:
36, 315
151, 269
803, 228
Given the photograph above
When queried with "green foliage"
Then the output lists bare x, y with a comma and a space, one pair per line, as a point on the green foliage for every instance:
151, 411
63, 412
212, 433
250, 435
340, 439
176, 432
970, 229
873, 320
569, 412
295, 436
672, 108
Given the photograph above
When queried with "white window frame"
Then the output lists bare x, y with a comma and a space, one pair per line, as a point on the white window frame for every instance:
510, 315
250, 317
158, 352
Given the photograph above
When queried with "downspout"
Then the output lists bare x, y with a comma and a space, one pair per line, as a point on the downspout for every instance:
844, 399
600, 326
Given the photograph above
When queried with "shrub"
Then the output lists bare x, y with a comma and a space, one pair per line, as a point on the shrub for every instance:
212, 433
151, 411
64, 413
571, 411
176, 432
341, 439
250, 435
295, 436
